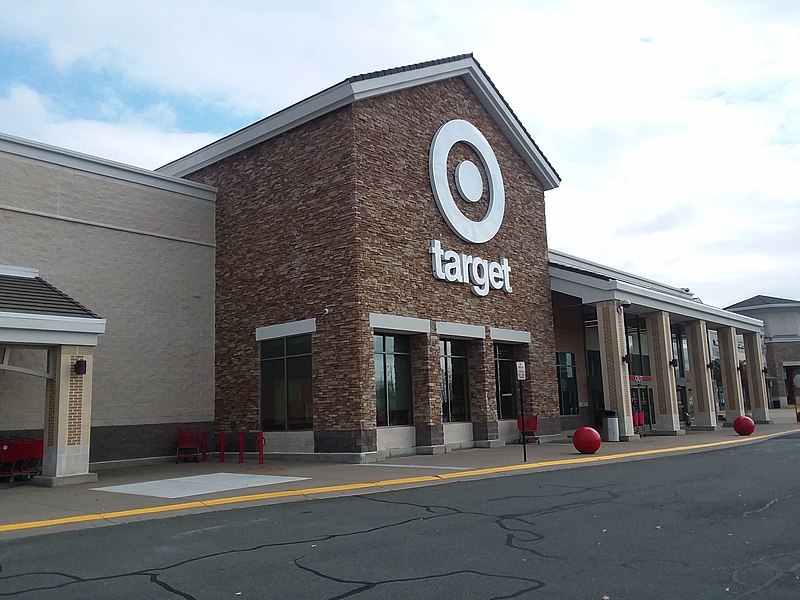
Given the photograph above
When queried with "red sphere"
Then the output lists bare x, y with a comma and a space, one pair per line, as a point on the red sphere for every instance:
744, 425
586, 440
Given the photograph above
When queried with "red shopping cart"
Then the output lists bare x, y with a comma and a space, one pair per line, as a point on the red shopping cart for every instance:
527, 432
20, 458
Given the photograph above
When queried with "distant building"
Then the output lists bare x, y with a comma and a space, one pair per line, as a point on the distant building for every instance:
782, 339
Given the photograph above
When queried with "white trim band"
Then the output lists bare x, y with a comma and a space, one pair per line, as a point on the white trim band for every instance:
398, 324
19, 271
282, 330
460, 330
510, 335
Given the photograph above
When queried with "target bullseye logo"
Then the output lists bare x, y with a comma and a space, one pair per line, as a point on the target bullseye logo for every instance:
448, 265
469, 181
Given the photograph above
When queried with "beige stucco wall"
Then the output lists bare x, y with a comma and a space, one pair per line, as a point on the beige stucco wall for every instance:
139, 256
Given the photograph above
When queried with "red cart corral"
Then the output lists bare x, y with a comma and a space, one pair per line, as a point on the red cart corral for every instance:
20, 458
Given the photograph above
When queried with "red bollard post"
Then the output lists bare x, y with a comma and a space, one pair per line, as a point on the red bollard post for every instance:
261, 443
204, 445
241, 446
222, 446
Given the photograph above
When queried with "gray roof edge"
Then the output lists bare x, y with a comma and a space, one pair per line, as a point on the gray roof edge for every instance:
358, 88
284, 120
755, 307
78, 161
569, 260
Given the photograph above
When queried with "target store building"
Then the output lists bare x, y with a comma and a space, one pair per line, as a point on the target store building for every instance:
357, 275
378, 272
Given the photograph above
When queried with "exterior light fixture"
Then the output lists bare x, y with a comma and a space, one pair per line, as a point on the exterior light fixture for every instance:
710, 366
673, 362
80, 367
624, 358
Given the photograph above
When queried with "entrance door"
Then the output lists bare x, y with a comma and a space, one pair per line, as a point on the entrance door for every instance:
506, 389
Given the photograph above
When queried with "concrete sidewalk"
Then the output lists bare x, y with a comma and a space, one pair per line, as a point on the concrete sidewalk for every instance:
30, 510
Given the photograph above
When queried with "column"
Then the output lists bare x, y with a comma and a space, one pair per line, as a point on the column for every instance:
616, 383
483, 394
705, 405
68, 416
756, 386
427, 384
731, 382
659, 338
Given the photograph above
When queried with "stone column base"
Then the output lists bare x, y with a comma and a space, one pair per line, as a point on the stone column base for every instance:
485, 431
356, 440
489, 443
629, 438
45, 481
429, 435
437, 449
706, 427
760, 415
666, 432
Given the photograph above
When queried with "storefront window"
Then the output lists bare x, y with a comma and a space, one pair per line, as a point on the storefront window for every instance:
393, 380
455, 381
567, 383
506, 379
286, 400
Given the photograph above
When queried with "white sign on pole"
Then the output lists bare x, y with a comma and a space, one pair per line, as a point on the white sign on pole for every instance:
520, 371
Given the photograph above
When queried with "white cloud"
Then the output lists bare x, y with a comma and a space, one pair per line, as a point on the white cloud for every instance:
673, 124
133, 139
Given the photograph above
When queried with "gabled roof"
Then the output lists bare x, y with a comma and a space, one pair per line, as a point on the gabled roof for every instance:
34, 312
360, 87
761, 301
33, 295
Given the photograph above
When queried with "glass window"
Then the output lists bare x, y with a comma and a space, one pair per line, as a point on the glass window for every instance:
393, 398
567, 383
286, 400
455, 381
505, 369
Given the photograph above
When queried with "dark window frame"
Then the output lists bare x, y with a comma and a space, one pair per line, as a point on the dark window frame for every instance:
284, 356
567, 369
447, 359
381, 354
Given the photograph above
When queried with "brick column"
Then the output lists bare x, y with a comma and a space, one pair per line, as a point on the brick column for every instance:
616, 383
426, 377
756, 386
68, 416
705, 405
731, 382
483, 393
659, 339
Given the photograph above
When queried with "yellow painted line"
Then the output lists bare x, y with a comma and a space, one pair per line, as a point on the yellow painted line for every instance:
583, 459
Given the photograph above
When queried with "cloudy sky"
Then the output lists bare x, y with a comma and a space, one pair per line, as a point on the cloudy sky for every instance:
674, 125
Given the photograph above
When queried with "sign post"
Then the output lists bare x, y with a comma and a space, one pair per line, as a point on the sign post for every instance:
520, 379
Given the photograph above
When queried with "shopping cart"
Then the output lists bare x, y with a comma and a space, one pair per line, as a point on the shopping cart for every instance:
20, 458
188, 443
527, 432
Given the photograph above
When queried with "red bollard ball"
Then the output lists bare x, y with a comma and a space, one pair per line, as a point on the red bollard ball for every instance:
744, 425
586, 440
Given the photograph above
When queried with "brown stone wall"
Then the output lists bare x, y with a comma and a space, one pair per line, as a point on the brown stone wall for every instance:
570, 336
338, 214
286, 250
398, 217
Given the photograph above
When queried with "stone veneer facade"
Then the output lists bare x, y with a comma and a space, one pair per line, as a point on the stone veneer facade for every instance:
337, 214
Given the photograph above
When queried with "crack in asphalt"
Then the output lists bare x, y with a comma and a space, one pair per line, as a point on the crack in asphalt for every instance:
365, 586
154, 572
776, 573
